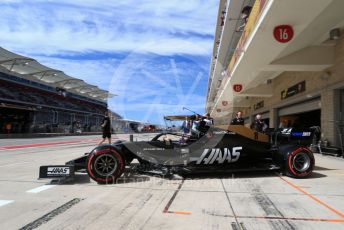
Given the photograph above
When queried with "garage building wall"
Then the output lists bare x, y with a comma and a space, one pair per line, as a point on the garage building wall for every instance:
323, 84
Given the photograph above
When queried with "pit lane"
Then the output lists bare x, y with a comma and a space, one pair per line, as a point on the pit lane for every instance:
263, 200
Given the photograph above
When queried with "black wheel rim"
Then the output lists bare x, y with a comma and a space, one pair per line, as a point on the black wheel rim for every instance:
105, 165
301, 162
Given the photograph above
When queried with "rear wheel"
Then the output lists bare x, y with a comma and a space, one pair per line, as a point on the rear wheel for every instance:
105, 166
300, 163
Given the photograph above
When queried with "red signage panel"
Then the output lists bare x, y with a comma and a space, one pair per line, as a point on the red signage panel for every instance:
237, 88
283, 33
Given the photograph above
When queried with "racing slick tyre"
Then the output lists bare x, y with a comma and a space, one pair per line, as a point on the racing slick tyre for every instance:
105, 166
300, 163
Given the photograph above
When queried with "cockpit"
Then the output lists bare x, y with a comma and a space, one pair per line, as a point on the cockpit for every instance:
169, 140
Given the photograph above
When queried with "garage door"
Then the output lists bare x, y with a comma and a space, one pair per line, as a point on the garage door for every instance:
300, 107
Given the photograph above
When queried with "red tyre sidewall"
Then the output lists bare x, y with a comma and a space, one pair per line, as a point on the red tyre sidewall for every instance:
294, 172
119, 170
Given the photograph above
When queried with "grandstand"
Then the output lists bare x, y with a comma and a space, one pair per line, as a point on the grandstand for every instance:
37, 99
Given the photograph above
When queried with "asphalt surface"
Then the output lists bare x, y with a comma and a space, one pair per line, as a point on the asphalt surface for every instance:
264, 200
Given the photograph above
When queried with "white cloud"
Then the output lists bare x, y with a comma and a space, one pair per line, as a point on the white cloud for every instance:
160, 27
95, 72
136, 45
153, 87
144, 83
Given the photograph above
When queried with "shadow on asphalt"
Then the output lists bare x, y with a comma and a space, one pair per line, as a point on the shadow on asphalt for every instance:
83, 178
316, 175
130, 177
246, 175
318, 168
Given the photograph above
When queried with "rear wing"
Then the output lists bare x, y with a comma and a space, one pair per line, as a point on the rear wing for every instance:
297, 136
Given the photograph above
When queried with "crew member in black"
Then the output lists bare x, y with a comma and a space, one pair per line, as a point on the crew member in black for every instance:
238, 120
106, 127
258, 124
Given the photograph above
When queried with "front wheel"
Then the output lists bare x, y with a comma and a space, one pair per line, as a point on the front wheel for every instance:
300, 163
105, 166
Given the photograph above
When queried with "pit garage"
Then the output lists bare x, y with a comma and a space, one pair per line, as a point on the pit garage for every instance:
295, 77
15, 118
301, 115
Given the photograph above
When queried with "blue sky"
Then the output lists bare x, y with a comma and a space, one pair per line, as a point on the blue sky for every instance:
154, 54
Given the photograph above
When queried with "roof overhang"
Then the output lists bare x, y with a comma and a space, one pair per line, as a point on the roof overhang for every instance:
30, 68
259, 57
225, 42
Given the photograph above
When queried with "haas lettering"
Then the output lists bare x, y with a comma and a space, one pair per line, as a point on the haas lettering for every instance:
216, 155
59, 170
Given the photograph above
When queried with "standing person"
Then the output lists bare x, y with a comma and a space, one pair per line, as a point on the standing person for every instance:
208, 120
283, 124
245, 13
186, 125
106, 127
186, 128
258, 124
238, 120
8, 127
194, 125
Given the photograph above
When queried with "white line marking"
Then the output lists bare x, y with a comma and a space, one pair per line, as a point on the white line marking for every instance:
40, 189
4, 202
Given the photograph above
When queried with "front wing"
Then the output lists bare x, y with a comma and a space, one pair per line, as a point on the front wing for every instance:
56, 171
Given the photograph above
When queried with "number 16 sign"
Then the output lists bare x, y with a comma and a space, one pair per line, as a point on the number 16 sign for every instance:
283, 33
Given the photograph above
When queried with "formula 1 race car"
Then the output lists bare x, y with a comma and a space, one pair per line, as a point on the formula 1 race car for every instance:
219, 149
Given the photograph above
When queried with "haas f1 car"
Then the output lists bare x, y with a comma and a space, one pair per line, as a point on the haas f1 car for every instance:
218, 149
